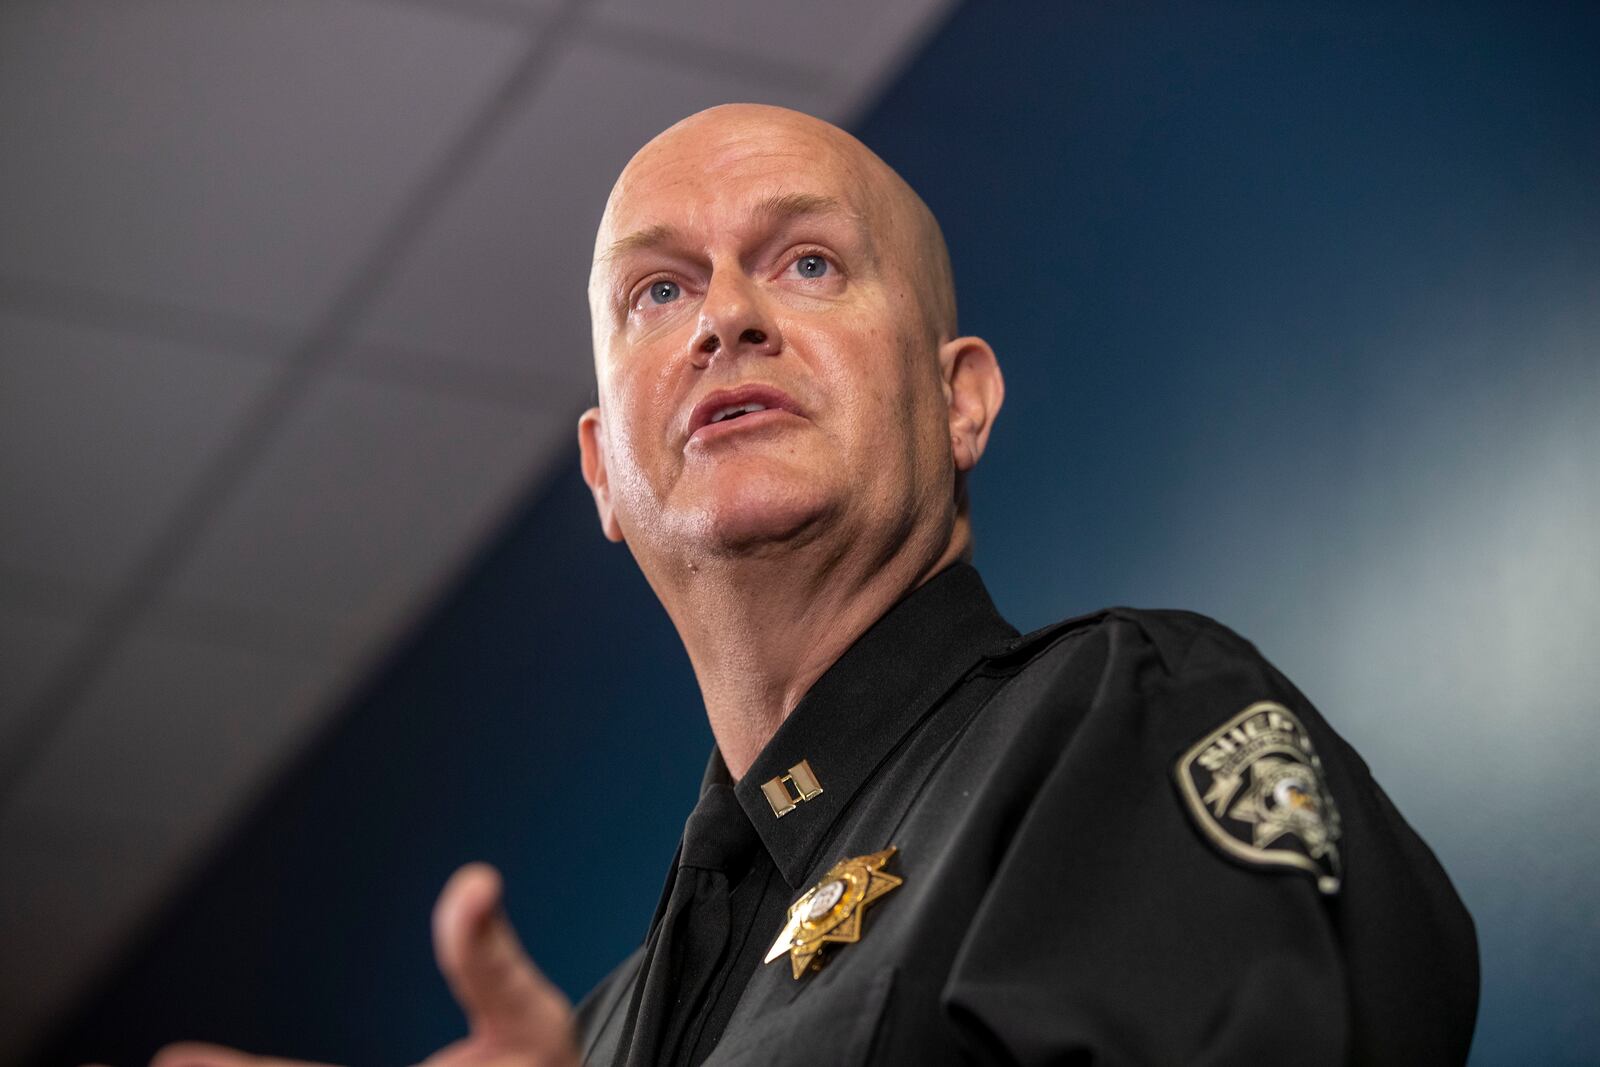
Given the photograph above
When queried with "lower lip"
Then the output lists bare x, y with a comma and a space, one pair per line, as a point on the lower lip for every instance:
713, 432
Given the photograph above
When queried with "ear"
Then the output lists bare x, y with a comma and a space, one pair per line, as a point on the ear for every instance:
592, 452
974, 389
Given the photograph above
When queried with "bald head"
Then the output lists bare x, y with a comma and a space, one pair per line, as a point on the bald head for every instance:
713, 145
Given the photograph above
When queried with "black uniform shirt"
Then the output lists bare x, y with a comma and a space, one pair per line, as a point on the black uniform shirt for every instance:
1124, 838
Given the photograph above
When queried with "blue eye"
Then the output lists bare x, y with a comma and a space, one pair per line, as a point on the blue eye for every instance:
664, 292
811, 266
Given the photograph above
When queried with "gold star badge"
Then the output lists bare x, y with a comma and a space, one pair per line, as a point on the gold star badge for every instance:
831, 910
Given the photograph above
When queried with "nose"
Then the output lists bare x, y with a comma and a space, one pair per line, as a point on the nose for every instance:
734, 320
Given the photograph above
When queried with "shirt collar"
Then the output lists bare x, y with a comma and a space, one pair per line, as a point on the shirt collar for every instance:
859, 710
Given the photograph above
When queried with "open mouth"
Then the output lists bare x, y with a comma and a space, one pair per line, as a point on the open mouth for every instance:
723, 406
735, 411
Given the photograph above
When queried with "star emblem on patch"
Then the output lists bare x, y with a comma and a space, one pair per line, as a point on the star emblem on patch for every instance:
1254, 786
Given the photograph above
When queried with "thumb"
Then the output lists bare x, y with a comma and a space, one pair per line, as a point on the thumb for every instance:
505, 998
200, 1054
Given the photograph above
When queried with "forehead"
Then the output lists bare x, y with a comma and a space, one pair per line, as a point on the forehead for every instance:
717, 175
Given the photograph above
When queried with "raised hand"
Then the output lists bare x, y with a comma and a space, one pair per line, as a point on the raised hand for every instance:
515, 1017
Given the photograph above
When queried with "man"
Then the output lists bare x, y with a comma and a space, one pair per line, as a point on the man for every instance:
923, 838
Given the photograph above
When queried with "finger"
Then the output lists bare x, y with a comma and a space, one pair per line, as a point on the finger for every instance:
503, 994
201, 1054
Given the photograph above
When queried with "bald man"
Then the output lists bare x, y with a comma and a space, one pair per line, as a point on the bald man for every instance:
922, 837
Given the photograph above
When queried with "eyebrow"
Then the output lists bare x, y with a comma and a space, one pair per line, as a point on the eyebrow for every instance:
780, 207
640, 240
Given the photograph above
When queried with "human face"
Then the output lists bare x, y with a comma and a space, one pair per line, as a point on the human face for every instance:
756, 263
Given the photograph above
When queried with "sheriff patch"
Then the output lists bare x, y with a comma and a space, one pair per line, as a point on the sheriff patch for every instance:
1255, 788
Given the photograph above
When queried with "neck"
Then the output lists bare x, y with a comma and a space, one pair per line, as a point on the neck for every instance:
760, 631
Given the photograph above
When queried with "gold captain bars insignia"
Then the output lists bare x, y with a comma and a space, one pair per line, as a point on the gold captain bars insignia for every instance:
831, 910
788, 791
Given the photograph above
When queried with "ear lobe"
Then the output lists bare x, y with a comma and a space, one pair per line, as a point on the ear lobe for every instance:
975, 389
592, 456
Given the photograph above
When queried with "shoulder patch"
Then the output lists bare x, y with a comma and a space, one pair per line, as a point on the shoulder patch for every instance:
1254, 786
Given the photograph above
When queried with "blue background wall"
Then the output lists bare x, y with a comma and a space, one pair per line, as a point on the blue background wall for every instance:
1300, 312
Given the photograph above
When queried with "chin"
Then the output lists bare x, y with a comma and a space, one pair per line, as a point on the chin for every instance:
746, 511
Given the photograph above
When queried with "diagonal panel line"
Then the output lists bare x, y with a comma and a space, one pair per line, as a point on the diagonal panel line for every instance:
266, 417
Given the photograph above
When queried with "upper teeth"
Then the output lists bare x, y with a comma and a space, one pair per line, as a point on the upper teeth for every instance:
737, 409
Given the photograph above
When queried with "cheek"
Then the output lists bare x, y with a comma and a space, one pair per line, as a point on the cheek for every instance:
637, 408
913, 392
858, 361
883, 391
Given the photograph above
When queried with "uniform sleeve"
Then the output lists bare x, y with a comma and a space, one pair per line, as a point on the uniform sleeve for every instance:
599, 1015
1116, 930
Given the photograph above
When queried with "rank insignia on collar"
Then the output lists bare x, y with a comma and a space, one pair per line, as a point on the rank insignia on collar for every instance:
831, 910
788, 791
1255, 788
